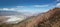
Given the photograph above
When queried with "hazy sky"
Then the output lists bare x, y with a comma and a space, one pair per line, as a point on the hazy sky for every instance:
28, 5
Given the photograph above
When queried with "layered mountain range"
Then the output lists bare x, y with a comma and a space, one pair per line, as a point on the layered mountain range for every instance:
8, 13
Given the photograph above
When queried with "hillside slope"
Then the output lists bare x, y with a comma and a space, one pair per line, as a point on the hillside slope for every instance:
48, 19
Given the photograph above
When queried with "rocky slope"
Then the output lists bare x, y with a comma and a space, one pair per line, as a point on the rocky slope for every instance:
48, 19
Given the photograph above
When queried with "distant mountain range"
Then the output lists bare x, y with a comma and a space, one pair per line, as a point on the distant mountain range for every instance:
9, 13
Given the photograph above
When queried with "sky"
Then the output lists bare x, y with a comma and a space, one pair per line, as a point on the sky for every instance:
32, 6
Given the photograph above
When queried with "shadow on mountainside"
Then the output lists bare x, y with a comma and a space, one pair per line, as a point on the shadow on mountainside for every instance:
48, 19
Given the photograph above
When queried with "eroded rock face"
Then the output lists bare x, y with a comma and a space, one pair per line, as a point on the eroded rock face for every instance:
48, 19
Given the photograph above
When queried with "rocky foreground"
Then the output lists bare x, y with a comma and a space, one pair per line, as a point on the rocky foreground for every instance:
47, 19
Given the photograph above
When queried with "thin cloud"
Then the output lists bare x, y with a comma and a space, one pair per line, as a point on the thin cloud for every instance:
41, 5
25, 9
8, 9
58, 0
58, 5
20, 6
